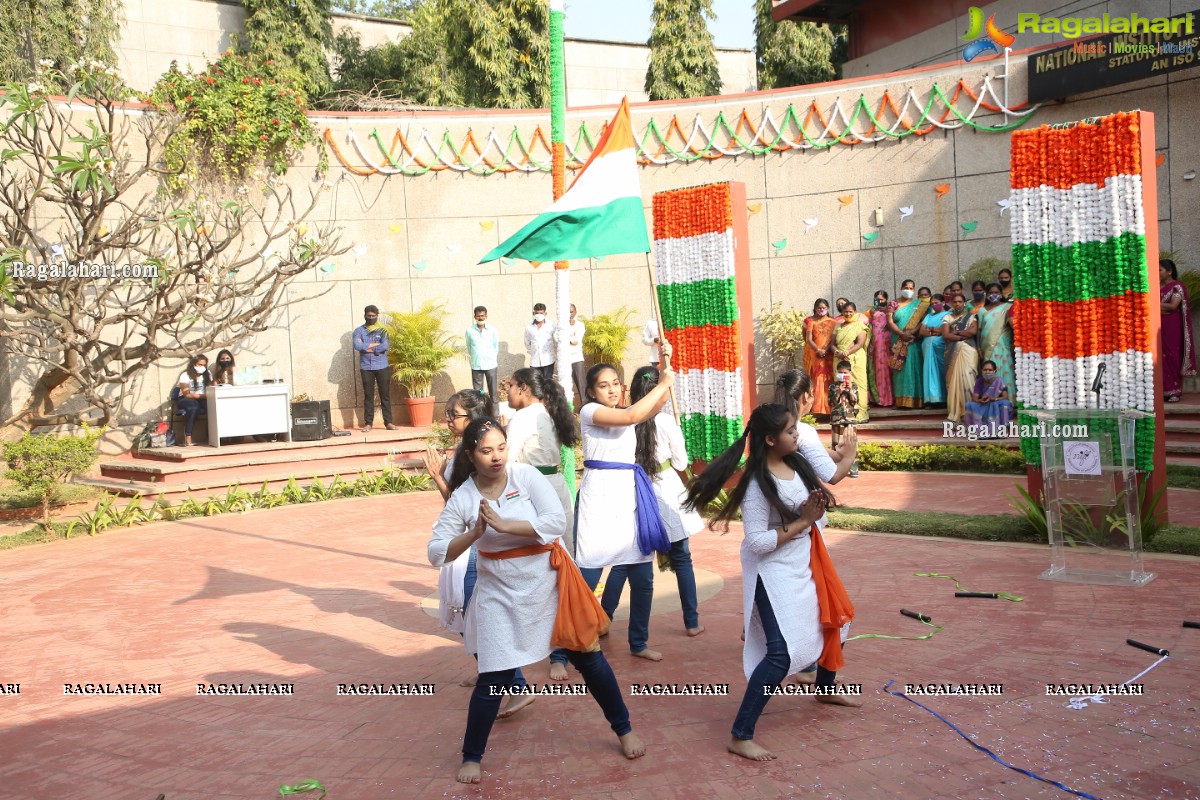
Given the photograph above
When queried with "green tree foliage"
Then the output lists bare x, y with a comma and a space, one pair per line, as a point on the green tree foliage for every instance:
683, 58
492, 54
795, 53
294, 35
41, 464
61, 32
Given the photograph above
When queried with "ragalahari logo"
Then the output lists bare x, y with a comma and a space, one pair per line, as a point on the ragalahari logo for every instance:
984, 38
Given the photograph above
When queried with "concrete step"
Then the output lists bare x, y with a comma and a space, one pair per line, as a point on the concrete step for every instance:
208, 484
200, 453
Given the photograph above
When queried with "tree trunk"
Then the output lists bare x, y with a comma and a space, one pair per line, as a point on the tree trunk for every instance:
52, 390
46, 512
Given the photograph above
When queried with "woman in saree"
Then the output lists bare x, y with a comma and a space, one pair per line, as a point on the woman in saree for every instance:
990, 409
933, 353
996, 336
879, 375
849, 342
818, 352
962, 359
1178, 348
905, 360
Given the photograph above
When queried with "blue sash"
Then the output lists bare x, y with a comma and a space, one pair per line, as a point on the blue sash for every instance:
651, 532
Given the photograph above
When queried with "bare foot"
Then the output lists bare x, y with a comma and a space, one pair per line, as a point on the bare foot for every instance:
632, 745
746, 748
648, 654
558, 672
515, 703
805, 677
467, 682
468, 772
849, 700
696, 631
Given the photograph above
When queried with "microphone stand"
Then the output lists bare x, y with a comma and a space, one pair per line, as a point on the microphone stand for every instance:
1098, 382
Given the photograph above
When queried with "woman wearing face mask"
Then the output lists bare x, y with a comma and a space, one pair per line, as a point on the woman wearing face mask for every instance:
223, 374
933, 353
978, 296
996, 336
879, 375
818, 353
1004, 278
850, 343
959, 329
905, 360
990, 408
190, 395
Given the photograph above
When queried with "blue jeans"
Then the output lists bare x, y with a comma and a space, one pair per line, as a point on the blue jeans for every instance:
190, 408
597, 674
685, 579
469, 580
770, 672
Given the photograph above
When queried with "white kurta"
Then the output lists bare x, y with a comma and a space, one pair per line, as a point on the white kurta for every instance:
813, 451
533, 440
669, 445
606, 527
452, 580
511, 616
786, 575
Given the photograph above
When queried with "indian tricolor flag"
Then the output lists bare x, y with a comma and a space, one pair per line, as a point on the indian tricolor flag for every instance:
599, 215
1080, 273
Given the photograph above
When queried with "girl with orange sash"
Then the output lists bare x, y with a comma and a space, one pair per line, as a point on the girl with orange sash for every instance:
795, 609
529, 595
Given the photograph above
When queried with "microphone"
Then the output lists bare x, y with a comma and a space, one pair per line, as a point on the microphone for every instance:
1098, 383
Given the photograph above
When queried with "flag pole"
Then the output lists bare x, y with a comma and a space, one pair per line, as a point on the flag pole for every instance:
558, 168
662, 333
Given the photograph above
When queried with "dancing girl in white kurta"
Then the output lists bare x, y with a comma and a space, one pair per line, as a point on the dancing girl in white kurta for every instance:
512, 514
794, 606
662, 452
611, 527
541, 424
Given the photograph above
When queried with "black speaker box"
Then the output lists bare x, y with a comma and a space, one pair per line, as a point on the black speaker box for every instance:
311, 421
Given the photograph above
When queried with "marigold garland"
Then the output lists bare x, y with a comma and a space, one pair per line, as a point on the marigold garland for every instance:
1080, 274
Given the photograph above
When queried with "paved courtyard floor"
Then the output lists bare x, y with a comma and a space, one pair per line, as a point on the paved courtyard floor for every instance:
332, 593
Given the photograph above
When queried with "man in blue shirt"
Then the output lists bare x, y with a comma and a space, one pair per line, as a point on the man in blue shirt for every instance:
371, 342
483, 351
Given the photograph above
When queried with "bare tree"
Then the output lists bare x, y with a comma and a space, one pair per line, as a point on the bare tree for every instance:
84, 191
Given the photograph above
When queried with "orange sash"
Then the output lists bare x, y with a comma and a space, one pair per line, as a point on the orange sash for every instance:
834, 603
580, 620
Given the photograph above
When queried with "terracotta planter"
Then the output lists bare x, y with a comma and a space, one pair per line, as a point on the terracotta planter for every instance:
420, 410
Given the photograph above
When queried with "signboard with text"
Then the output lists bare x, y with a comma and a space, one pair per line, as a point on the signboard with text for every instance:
1085, 65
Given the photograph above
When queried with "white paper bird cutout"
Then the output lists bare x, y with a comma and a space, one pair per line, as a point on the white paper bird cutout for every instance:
360, 250
810, 223
906, 211
452, 249
1004, 204
57, 250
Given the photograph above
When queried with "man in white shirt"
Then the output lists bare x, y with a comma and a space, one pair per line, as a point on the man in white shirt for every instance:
575, 342
483, 351
539, 342
650, 337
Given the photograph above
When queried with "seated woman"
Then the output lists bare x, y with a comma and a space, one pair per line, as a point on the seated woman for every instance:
223, 374
190, 398
990, 406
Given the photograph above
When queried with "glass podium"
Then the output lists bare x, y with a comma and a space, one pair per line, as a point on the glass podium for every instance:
1090, 492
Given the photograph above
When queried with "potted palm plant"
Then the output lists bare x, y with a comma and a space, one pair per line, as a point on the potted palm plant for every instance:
607, 336
419, 348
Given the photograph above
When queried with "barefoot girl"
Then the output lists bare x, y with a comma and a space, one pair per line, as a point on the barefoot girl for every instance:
541, 424
785, 567
662, 452
617, 519
456, 582
529, 593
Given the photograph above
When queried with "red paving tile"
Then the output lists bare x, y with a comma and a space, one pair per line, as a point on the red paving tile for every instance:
326, 594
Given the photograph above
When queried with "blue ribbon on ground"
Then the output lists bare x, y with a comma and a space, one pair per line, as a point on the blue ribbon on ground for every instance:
651, 531
978, 746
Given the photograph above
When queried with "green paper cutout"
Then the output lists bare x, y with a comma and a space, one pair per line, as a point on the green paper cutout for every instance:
871, 236
782, 243
969, 227
309, 785
327, 268
420, 266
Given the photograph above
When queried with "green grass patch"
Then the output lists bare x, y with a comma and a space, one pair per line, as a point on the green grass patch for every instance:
940, 458
1179, 539
37, 535
989, 528
13, 496
1183, 477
